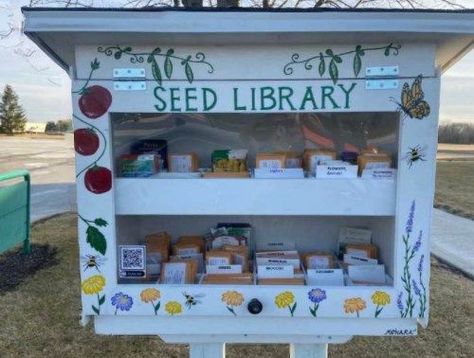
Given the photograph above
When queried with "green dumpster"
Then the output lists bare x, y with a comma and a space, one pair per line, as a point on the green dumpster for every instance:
15, 210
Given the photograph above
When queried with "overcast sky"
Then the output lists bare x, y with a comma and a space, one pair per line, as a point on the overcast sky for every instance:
44, 89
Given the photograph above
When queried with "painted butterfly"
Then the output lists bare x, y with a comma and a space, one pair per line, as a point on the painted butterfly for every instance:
412, 100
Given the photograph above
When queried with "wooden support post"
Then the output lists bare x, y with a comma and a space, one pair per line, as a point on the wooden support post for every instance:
308, 350
207, 350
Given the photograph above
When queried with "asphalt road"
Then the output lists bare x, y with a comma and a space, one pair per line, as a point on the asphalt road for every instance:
51, 164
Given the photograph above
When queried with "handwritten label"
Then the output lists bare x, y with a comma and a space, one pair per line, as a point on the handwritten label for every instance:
174, 273
220, 241
318, 262
274, 173
273, 271
336, 171
217, 261
270, 164
387, 173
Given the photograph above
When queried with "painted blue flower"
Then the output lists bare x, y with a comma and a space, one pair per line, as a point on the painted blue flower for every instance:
316, 295
411, 216
122, 302
416, 288
420, 264
399, 301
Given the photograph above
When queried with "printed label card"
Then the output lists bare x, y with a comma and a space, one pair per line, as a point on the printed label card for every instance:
273, 271
358, 260
223, 269
325, 277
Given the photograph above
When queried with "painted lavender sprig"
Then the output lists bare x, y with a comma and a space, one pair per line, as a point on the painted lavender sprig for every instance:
421, 293
410, 252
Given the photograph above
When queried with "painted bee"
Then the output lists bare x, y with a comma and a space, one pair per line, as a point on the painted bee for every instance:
192, 300
415, 154
92, 261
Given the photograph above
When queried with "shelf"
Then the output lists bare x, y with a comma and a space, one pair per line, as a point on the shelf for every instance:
352, 197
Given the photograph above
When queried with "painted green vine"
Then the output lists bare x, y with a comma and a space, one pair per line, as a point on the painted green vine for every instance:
158, 68
330, 61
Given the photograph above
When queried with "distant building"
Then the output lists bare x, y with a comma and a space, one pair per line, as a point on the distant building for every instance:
35, 127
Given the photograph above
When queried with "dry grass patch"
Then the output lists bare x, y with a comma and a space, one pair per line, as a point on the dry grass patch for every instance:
455, 187
41, 316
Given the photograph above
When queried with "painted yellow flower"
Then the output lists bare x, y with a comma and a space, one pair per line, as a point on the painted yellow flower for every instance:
173, 308
93, 284
232, 298
355, 304
284, 299
380, 298
149, 295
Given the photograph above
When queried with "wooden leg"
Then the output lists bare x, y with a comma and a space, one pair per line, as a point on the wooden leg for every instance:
207, 350
308, 350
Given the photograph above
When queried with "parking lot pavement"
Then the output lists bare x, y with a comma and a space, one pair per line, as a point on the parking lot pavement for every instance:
51, 166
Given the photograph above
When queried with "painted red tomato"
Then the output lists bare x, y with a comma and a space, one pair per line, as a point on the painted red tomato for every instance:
86, 141
95, 101
98, 180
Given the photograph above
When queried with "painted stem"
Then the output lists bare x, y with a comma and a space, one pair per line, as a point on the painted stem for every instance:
81, 90
103, 149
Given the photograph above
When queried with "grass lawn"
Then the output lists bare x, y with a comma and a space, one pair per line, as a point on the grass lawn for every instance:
40, 317
455, 187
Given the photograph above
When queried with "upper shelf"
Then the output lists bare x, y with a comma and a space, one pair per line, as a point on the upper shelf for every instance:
356, 197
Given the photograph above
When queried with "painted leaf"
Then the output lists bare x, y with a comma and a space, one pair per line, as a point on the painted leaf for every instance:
357, 64
168, 67
96, 239
333, 71
100, 222
189, 73
102, 300
387, 50
95, 64
155, 70
293, 309
157, 307
329, 52
96, 310
313, 313
168, 64
338, 59
118, 55
127, 49
322, 65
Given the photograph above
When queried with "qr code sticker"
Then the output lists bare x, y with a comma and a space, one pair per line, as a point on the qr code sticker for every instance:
132, 257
